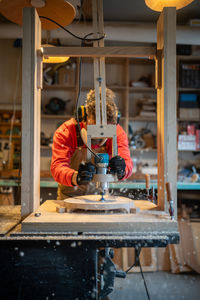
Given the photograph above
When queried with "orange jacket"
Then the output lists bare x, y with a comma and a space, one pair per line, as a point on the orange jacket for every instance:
65, 144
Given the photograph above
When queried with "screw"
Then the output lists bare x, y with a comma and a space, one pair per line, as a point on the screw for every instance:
37, 214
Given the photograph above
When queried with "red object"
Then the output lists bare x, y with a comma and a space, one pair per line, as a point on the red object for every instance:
65, 144
197, 139
191, 129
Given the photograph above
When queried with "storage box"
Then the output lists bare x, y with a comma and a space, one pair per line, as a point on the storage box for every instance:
187, 142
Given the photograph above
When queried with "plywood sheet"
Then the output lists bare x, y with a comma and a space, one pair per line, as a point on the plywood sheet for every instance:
46, 219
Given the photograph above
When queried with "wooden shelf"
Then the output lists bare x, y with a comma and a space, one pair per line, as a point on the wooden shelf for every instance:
56, 117
3, 136
188, 57
142, 119
144, 150
188, 150
142, 89
59, 87
189, 120
45, 147
9, 124
181, 89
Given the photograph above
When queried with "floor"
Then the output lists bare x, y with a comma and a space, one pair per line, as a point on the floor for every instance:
161, 285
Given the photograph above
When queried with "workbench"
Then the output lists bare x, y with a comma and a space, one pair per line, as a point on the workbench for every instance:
37, 265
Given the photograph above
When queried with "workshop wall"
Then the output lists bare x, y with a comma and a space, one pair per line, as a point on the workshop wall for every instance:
10, 71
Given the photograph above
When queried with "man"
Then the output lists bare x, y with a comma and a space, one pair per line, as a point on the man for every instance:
69, 153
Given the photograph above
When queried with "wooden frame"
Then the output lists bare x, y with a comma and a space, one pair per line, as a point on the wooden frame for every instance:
166, 106
31, 112
166, 83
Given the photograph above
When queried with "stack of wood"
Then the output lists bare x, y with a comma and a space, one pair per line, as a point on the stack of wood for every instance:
147, 108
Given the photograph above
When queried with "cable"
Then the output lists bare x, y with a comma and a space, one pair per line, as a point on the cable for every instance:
77, 104
145, 285
144, 280
79, 75
74, 35
130, 268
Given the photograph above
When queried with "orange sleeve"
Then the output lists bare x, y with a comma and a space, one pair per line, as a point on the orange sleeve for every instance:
64, 145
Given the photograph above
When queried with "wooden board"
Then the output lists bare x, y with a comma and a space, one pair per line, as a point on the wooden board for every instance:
31, 113
9, 217
148, 52
93, 202
166, 105
46, 219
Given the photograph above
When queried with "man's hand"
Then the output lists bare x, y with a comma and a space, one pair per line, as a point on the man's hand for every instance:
85, 173
117, 166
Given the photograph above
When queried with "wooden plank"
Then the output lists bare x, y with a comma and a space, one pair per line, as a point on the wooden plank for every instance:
49, 220
166, 106
126, 113
10, 217
143, 52
31, 106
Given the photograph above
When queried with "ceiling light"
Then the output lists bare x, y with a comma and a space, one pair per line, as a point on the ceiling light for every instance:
158, 5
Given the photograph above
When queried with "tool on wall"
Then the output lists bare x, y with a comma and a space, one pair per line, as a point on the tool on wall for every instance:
170, 200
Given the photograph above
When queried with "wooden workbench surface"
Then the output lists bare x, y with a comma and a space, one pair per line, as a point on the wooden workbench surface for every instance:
10, 216
46, 219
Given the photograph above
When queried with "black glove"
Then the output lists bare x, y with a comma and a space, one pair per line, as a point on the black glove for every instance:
85, 173
117, 165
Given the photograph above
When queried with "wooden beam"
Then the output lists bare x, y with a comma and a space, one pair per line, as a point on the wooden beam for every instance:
31, 105
166, 106
143, 52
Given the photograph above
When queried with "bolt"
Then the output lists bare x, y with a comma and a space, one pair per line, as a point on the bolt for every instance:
37, 214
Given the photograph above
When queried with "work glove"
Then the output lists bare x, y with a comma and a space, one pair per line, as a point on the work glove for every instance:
117, 166
85, 173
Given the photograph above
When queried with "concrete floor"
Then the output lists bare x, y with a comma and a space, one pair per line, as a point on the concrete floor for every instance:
161, 285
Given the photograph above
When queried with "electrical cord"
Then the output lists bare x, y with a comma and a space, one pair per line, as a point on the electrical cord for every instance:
145, 285
84, 39
74, 35
77, 105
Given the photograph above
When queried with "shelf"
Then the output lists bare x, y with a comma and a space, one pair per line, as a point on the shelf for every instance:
182, 89
59, 87
142, 119
117, 185
142, 89
56, 117
9, 124
189, 151
45, 147
188, 57
3, 136
143, 150
189, 120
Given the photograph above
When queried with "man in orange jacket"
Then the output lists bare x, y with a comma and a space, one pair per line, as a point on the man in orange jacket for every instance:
69, 153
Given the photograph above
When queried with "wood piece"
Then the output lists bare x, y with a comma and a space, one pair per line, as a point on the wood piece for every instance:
148, 52
31, 113
142, 222
93, 202
166, 105
147, 179
148, 259
9, 217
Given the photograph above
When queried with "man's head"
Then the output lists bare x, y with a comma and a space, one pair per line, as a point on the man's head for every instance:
111, 107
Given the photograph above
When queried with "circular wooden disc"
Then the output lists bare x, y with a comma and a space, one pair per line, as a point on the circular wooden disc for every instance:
60, 11
92, 202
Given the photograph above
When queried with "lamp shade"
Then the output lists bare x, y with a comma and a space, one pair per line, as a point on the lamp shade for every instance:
60, 11
158, 5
